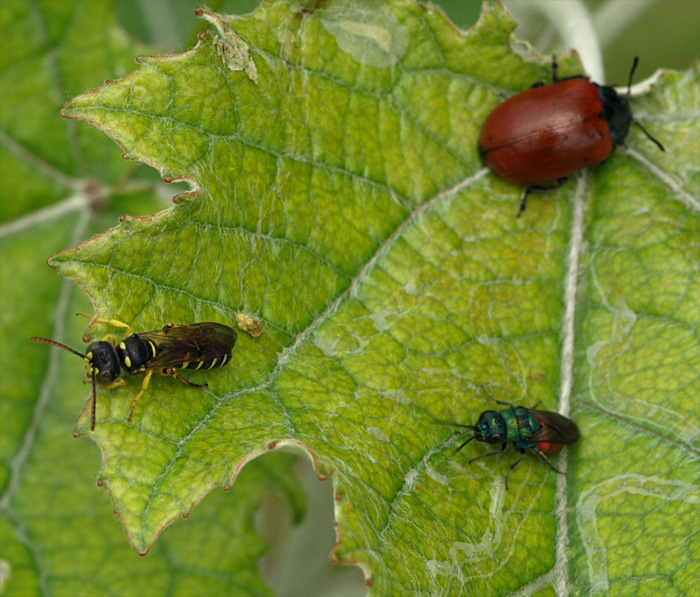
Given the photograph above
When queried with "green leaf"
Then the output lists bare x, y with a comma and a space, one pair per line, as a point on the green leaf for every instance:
340, 200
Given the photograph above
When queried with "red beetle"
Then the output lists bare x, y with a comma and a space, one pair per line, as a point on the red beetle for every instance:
548, 132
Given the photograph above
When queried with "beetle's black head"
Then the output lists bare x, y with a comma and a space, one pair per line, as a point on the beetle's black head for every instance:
617, 113
491, 428
103, 362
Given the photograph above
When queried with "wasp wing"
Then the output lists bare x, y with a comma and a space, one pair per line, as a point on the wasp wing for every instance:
556, 428
180, 344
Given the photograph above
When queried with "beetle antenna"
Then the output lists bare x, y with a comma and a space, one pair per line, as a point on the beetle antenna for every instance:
658, 144
629, 90
629, 80
58, 344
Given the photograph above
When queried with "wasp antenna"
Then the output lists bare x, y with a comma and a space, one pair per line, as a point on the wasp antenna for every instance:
464, 443
451, 424
57, 344
93, 397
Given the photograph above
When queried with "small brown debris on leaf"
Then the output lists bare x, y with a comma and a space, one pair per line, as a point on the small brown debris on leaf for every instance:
250, 325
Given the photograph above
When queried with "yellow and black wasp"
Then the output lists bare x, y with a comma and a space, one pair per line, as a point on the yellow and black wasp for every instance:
190, 346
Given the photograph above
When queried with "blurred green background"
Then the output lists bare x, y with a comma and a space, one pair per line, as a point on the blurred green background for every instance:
664, 33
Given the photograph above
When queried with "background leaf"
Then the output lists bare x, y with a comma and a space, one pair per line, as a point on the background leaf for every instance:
351, 164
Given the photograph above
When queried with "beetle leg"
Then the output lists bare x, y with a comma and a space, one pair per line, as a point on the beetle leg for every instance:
523, 202
539, 452
537, 189
144, 387
176, 375
113, 322
554, 68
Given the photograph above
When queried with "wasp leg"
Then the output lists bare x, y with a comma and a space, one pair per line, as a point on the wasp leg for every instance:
144, 387
176, 375
113, 322
115, 384
512, 466
88, 404
539, 452
93, 398
483, 389
503, 447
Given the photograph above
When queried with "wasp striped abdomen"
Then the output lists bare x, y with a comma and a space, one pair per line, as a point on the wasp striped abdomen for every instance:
214, 363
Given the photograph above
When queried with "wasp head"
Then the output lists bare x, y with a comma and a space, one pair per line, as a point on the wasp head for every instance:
491, 428
102, 362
